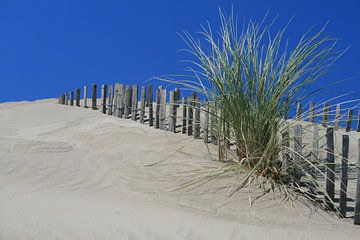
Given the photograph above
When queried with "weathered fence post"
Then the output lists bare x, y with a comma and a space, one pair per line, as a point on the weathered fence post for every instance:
150, 105
285, 140
157, 107
337, 116
116, 100
206, 121
120, 105
172, 121
298, 111
72, 98
162, 117
344, 175
184, 119
358, 122
349, 120
110, 100
66, 99
213, 120
134, 103
314, 154
189, 129
177, 97
326, 114
197, 118
330, 168
315, 144
298, 152
142, 104
177, 100
63, 99
357, 198
85, 97
191, 104
127, 102
78, 97
173, 105
312, 112
94, 98
103, 97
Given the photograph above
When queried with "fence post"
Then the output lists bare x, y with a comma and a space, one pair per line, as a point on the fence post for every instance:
183, 126
344, 175
150, 105
314, 154
349, 120
77, 97
127, 101
116, 100
134, 103
94, 98
63, 99
337, 116
103, 97
110, 100
357, 199
85, 97
326, 114
298, 151
206, 121
213, 120
191, 104
173, 105
358, 122
315, 144
312, 112
121, 101
298, 111
285, 140
71, 98
66, 99
157, 107
330, 168
177, 97
162, 117
190, 116
172, 122
176, 105
142, 104
197, 118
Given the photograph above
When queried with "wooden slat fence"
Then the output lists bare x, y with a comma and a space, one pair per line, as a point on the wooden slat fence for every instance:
122, 101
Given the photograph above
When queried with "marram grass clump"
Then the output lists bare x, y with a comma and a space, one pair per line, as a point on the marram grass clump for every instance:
253, 80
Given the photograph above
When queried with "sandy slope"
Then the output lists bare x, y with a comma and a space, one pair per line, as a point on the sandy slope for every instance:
73, 173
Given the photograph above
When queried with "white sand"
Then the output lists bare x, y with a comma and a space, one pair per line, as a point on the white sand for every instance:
73, 173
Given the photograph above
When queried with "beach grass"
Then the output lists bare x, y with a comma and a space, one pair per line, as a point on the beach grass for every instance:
253, 80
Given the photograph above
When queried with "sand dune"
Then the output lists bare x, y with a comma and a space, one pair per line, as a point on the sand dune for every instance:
74, 173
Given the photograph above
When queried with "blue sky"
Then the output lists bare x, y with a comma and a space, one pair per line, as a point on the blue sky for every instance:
48, 47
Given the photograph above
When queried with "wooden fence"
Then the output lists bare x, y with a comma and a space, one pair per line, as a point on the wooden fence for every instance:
123, 102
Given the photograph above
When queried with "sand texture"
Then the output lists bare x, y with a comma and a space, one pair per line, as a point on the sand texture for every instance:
74, 173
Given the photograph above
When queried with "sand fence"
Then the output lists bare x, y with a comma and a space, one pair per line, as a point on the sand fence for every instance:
303, 135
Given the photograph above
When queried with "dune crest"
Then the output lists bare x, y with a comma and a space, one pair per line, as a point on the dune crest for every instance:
74, 173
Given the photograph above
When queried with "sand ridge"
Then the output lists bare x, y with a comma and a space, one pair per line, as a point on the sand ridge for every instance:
74, 173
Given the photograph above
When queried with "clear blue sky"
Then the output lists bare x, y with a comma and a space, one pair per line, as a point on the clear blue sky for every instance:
47, 47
